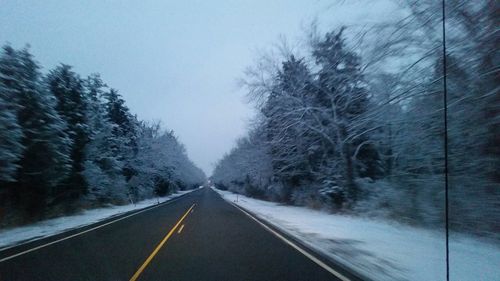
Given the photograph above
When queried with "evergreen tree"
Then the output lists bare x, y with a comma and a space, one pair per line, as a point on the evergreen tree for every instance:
286, 112
71, 105
45, 161
67, 141
341, 92
102, 169
10, 130
118, 113
124, 131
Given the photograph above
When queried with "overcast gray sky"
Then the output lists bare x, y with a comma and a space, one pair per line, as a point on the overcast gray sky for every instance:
174, 61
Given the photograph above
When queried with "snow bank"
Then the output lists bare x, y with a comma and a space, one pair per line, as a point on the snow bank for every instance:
380, 249
14, 236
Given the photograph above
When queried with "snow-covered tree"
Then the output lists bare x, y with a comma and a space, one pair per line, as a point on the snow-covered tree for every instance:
71, 105
10, 130
68, 142
360, 118
161, 165
45, 159
102, 165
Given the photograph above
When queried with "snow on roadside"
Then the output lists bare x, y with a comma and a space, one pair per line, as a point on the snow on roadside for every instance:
378, 249
14, 236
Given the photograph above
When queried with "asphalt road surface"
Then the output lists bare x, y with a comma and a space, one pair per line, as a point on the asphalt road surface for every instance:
198, 236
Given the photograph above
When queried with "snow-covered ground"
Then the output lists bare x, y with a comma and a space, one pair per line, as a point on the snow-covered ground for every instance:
14, 236
380, 249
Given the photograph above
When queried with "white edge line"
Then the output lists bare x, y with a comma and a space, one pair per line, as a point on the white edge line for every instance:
293, 245
83, 232
180, 229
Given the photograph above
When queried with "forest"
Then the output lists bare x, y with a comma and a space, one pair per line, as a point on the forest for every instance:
71, 143
353, 121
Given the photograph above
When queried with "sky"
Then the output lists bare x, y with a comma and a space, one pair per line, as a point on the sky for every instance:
173, 61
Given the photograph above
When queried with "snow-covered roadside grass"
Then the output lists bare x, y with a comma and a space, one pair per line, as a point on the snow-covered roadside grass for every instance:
14, 236
380, 249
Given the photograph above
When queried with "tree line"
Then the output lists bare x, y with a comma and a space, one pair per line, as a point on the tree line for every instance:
69, 142
353, 122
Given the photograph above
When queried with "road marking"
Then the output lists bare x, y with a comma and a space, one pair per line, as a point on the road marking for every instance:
293, 245
80, 233
157, 249
182, 227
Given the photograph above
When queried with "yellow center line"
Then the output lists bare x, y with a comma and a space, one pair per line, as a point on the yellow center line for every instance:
180, 229
157, 249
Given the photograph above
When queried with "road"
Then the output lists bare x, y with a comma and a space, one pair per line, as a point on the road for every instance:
198, 236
